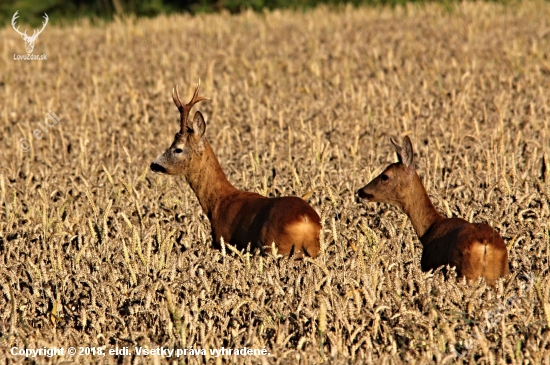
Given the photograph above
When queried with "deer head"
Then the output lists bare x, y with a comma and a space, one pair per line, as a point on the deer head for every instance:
29, 41
393, 185
189, 141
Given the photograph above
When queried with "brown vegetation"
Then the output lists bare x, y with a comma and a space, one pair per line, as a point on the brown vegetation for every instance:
95, 250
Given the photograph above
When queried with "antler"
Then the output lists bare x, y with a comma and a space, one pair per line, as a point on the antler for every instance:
35, 33
185, 109
43, 26
13, 19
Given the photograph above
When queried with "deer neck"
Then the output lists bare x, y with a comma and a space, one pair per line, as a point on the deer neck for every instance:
419, 208
207, 180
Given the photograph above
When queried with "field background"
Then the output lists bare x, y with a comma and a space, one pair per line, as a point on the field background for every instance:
99, 11
95, 250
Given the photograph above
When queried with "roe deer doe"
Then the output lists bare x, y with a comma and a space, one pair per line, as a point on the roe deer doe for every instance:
242, 218
475, 249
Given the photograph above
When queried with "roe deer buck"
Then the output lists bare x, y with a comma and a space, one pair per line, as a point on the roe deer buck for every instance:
242, 218
475, 249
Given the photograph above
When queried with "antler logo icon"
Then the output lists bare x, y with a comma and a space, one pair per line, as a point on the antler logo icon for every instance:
29, 41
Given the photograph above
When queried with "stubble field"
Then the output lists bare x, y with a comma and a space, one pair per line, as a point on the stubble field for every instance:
96, 251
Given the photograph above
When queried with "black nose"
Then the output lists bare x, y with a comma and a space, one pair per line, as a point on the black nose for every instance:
363, 195
155, 167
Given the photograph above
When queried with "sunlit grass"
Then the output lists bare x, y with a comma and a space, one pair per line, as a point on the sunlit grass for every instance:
97, 251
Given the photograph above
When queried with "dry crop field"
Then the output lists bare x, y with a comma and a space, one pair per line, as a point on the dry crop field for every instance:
97, 251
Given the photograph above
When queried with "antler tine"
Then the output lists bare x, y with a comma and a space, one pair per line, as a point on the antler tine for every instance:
185, 109
14, 20
177, 99
44, 23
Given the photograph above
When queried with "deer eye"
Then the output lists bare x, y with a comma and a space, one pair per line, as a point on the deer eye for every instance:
384, 177
178, 150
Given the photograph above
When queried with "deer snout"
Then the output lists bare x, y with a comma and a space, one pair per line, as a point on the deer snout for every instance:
155, 167
364, 195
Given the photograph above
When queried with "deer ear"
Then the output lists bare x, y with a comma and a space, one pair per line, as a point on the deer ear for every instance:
398, 150
407, 154
404, 154
199, 125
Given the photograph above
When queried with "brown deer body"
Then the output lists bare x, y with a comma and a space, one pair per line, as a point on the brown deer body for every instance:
475, 249
241, 218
